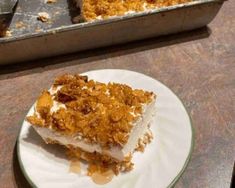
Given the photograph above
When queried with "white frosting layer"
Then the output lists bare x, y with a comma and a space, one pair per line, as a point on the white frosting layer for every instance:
140, 127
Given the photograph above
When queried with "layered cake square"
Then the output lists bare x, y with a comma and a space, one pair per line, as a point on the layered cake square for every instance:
100, 123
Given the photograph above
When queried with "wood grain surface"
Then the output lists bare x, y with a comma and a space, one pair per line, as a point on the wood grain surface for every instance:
199, 66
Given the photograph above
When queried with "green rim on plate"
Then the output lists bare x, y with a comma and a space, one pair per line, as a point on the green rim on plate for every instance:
173, 182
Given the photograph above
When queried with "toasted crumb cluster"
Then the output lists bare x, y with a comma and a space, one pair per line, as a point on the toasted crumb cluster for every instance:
43, 16
99, 162
92, 111
91, 9
142, 142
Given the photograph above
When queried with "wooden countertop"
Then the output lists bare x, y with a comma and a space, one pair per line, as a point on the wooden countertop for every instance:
198, 66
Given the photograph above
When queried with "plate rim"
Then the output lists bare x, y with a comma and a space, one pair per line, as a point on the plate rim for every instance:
177, 177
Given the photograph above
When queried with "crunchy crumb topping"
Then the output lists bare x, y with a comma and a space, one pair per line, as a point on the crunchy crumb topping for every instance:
8, 33
142, 142
43, 16
99, 113
91, 9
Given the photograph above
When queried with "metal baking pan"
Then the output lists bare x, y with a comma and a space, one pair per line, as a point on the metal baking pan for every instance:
38, 40
7, 8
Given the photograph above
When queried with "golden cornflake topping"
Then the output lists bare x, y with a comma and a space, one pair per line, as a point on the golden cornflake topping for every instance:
91, 9
96, 112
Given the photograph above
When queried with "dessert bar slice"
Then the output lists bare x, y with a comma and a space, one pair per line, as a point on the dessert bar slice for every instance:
96, 121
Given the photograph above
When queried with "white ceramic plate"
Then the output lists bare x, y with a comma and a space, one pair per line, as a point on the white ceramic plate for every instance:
161, 165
